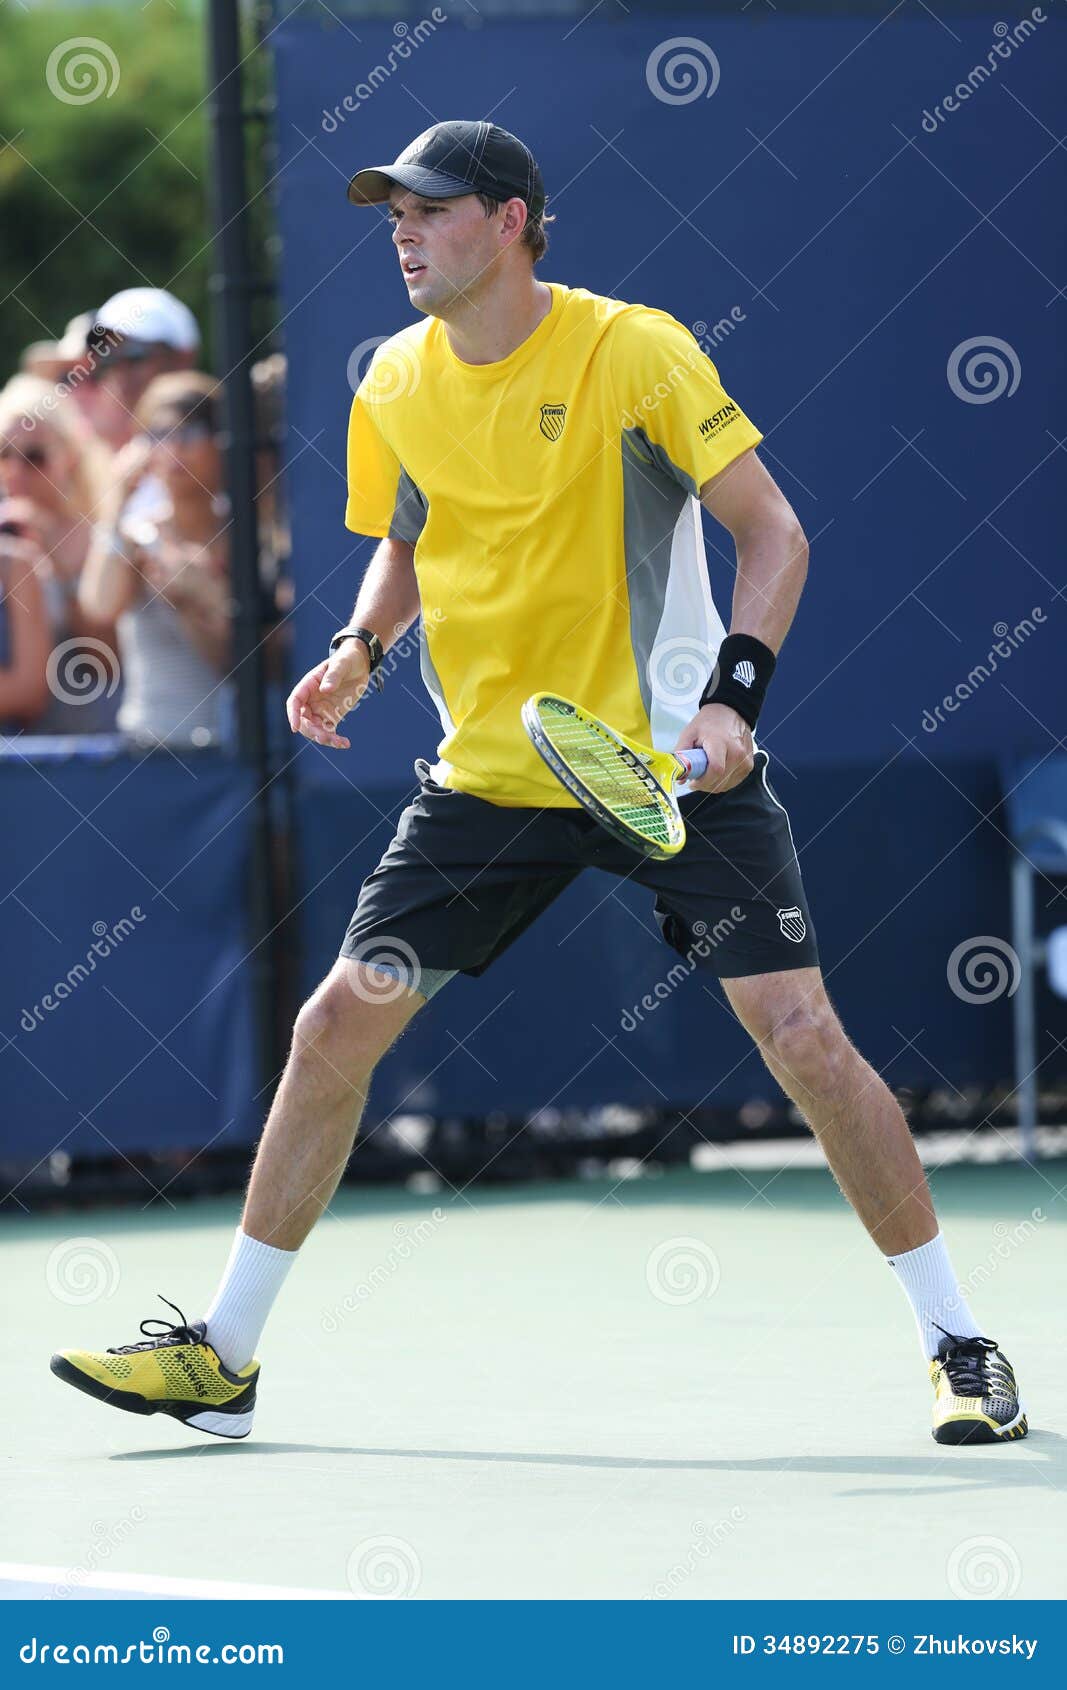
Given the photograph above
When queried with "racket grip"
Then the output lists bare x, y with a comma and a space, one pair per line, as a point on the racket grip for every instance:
695, 760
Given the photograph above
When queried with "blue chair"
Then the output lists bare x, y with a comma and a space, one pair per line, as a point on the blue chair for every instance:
1035, 802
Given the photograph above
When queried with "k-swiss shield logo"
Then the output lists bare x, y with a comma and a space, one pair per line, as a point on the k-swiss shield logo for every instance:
792, 924
553, 418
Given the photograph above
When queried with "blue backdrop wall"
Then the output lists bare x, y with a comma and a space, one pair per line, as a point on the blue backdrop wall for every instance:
125, 1012
864, 242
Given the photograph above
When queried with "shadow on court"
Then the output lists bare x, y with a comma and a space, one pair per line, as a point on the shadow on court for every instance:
539, 1412
992, 1469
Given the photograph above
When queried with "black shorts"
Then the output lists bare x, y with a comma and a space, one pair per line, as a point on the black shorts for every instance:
463, 878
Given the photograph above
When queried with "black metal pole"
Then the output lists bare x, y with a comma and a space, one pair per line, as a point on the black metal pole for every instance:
233, 287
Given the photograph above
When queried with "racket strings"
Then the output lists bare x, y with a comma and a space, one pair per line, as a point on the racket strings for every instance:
617, 778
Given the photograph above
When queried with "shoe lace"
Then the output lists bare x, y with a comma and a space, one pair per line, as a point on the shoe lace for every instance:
970, 1367
172, 1332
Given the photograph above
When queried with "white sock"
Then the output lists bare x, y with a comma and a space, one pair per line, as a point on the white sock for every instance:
935, 1294
254, 1275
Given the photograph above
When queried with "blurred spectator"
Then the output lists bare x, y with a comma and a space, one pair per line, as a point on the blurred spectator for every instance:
69, 366
272, 518
159, 566
53, 360
24, 633
268, 401
137, 335
276, 591
52, 478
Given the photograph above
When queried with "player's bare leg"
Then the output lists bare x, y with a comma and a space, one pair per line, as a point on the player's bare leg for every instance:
204, 1373
866, 1140
338, 1037
347, 1024
849, 1108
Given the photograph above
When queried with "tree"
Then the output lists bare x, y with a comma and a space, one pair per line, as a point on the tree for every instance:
103, 162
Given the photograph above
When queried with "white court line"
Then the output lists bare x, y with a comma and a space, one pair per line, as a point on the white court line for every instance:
19, 1580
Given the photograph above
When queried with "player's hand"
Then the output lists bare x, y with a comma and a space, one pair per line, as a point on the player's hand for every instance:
726, 740
318, 703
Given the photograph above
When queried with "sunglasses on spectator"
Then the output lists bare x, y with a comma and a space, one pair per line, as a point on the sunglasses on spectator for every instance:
120, 358
178, 433
35, 456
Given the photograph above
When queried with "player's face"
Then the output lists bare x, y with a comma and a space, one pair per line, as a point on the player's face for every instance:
446, 248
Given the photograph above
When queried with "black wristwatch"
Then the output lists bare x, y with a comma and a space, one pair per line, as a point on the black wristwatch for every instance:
372, 643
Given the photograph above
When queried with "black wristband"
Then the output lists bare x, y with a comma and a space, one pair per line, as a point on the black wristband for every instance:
741, 676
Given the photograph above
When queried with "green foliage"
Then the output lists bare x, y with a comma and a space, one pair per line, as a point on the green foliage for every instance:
106, 193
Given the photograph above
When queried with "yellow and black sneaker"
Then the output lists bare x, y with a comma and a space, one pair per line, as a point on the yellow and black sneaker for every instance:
174, 1372
976, 1399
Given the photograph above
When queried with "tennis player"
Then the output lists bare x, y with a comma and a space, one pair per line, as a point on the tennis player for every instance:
533, 458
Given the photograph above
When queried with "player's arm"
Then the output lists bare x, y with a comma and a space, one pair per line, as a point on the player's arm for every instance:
772, 563
772, 553
387, 604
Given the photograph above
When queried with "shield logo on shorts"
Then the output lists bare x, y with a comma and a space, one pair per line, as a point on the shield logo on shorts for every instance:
553, 418
792, 924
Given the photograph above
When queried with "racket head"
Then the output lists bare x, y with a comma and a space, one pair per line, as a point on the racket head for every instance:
626, 787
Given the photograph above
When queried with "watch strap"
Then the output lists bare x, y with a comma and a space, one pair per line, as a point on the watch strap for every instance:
370, 640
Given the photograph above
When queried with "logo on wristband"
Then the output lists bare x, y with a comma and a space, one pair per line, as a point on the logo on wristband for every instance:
745, 672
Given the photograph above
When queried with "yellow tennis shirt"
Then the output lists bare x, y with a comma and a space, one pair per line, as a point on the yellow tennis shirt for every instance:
552, 499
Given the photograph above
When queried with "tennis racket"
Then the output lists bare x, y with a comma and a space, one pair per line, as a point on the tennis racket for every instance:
629, 788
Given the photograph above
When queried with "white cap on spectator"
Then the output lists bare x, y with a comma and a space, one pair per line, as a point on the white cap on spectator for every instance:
150, 314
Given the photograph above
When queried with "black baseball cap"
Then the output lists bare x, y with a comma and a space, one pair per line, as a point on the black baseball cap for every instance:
454, 158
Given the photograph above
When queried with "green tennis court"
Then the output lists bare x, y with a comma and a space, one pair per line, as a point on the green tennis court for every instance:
701, 1385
